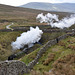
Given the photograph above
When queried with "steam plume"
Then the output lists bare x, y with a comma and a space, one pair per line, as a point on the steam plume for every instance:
65, 22
27, 38
47, 18
51, 18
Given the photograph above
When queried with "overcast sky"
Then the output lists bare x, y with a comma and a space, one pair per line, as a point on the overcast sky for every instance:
21, 2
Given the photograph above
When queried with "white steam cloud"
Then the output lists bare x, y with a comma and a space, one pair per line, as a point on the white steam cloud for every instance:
47, 18
27, 38
52, 19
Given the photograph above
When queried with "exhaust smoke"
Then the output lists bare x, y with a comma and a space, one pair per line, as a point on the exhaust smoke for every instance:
47, 18
52, 19
27, 38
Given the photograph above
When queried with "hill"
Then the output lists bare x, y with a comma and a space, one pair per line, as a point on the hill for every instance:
10, 12
55, 60
62, 7
21, 16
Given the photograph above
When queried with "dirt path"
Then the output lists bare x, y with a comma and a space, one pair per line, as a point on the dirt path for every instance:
8, 26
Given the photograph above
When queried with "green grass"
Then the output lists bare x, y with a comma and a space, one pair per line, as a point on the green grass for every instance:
44, 39
7, 37
57, 49
28, 58
5, 43
59, 52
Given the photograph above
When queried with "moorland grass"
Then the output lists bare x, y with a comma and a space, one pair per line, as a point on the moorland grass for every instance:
5, 43
59, 51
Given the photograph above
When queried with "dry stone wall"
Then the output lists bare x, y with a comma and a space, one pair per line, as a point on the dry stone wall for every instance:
44, 30
13, 67
46, 46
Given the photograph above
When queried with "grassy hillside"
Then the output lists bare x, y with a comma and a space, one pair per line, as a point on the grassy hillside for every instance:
60, 52
5, 43
6, 39
22, 16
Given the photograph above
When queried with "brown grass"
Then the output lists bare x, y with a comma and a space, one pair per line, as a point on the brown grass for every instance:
61, 43
49, 59
65, 65
3, 25
71, 41
71, 47
23, 15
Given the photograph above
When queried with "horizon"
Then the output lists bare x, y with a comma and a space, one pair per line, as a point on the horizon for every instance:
22, 2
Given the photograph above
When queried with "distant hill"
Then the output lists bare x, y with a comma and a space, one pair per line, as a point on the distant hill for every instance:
11, 13
62, 7
17, 13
